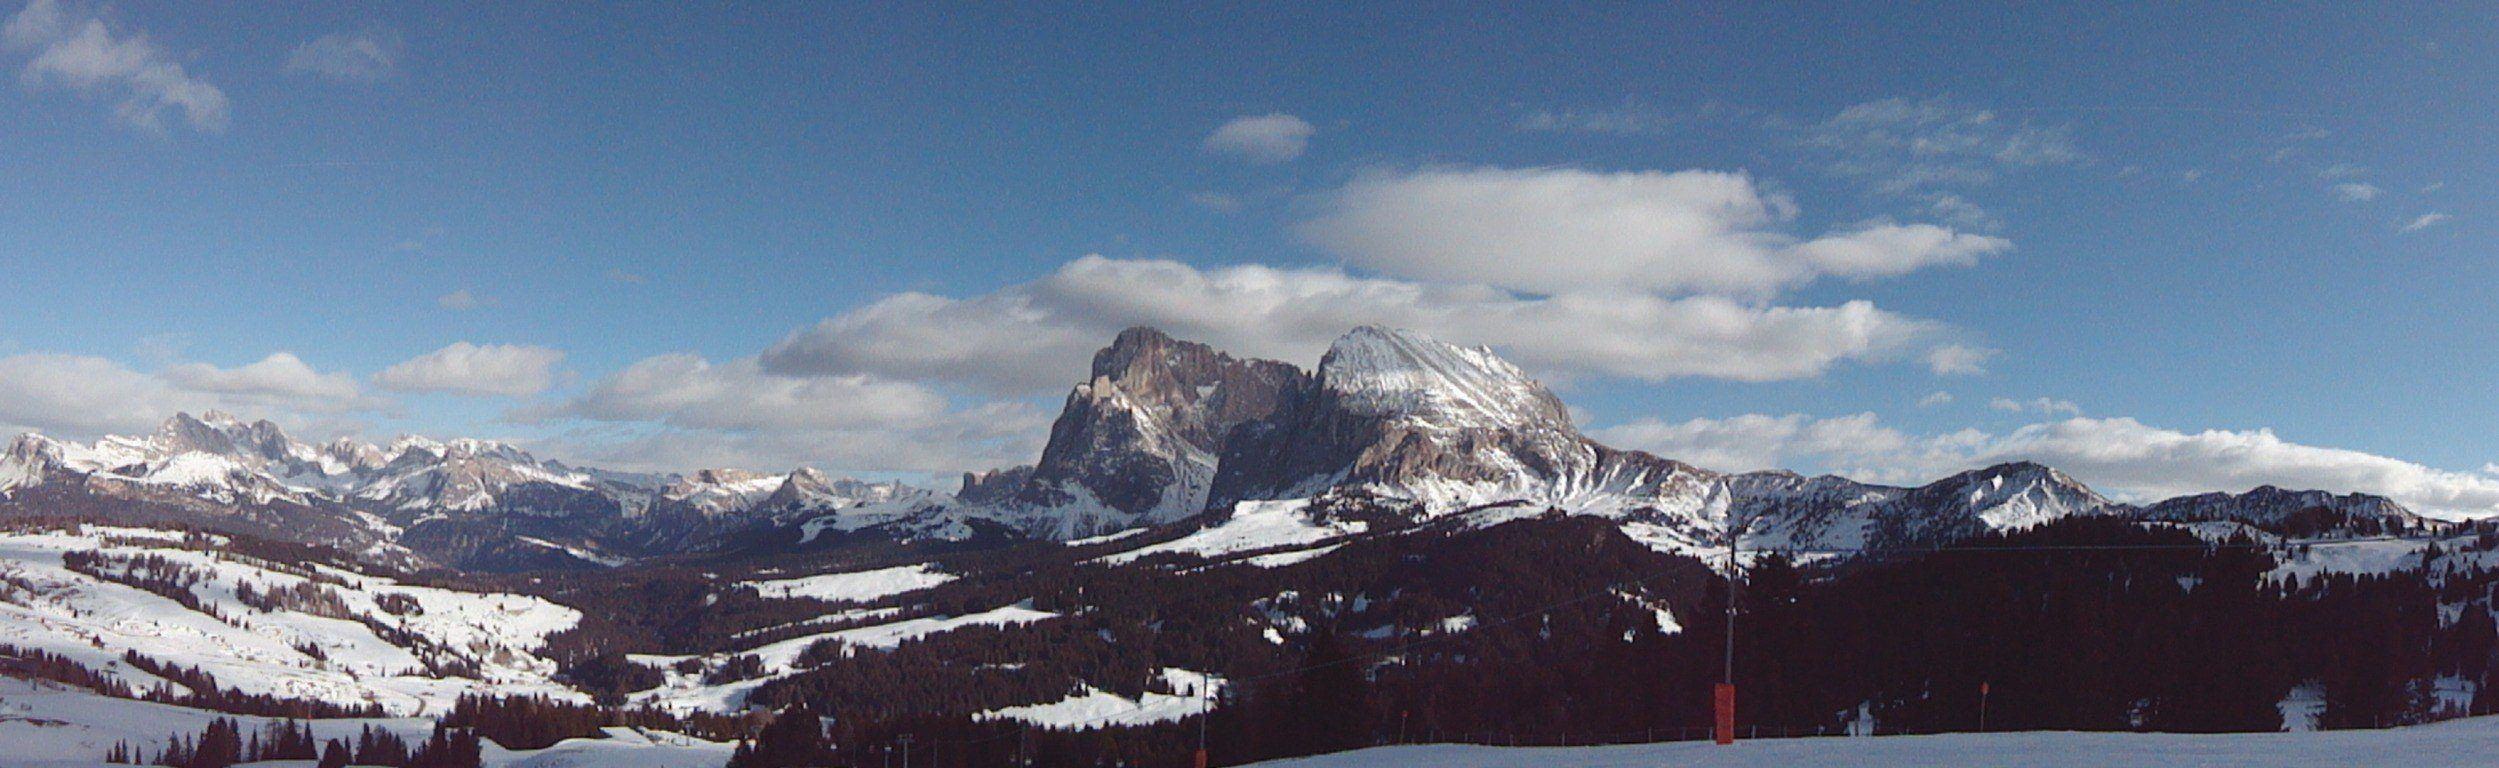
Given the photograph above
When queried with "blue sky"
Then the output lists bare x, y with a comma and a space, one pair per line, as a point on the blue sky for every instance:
2171, 247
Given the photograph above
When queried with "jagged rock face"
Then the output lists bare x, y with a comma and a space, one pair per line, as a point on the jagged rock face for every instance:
811, 490
1399, 415
1139, 440
995, 486
720, 491
448, 500
30, 460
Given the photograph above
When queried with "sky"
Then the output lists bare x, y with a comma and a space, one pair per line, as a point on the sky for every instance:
2169, 247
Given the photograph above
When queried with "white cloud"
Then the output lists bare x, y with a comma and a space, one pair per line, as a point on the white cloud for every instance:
347, 58
79, 52
459, 301
1906, 145
2357, 192
2035, 405
2119, 456
1549, 230
1958, 360
1269, 138
674, 411
83, 396
685, 390
79, 395
509, 370
279, 376
2425, 221
2149, 462
1038, 335
1755, 441
1938, 397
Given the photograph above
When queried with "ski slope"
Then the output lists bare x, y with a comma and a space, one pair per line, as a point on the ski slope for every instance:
2452, 744
43, 725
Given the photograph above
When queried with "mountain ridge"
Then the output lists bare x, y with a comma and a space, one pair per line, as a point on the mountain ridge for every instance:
1164, 432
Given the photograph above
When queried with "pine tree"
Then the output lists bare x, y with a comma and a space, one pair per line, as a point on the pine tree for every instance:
794, 739
1331, 707
336, 755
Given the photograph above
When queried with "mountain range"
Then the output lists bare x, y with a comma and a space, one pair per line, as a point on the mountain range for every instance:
1202, 533
1165, 433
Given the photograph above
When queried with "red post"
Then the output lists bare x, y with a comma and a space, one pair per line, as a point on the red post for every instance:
1725, 732
1201, 758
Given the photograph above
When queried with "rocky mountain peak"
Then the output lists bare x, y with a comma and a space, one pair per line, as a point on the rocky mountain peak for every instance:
30, 460
994, 486
1390, 373
2016, 495
1140, 437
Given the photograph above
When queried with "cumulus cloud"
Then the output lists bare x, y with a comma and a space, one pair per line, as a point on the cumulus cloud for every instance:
1269, 138
1935, 398
1550, 230
78, 51
1754, 441
509, 370
280, 376
2357, 192
83, 396
1958, 360
79, 395
981, 437
686, 390
347, 57
2425, 221
1037, 335
2035, 405
680, 410
2120, 456
2147, 462
1905, 145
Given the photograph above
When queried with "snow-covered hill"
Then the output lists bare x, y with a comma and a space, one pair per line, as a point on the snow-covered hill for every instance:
477, 504
43, 725
292, 630
2454, 744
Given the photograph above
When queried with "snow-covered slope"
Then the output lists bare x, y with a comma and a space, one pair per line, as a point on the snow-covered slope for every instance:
466, 503
1394, 374
2452, 744
345, 637
43, 725
855, 586
686, 691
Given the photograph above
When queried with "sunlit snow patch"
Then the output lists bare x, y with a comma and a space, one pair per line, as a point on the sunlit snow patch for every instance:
860, 586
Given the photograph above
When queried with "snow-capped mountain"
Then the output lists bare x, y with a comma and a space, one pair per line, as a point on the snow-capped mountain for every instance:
1163, 432
1404, 417
1137, 442
2297, 512
463, 502
722, 491
1395, 421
